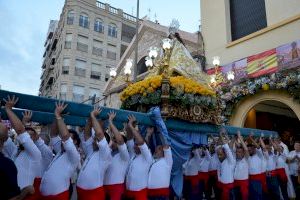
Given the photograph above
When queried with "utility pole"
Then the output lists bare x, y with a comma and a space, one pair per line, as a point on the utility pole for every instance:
136, 42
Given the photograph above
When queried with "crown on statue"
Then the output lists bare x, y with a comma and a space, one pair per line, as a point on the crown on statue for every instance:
174, 26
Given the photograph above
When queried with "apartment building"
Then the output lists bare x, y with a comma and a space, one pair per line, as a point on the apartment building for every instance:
80, 48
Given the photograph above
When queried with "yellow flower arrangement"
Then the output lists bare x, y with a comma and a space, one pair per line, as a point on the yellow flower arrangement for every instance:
149, 85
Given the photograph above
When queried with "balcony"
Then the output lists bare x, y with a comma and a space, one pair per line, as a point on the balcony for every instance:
100, 5
96, 75
97, 51
129, 17
82, 47
65, 70
79, 72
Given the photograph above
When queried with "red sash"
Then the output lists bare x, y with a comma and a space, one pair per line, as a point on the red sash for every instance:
159, 192
271, 173
281, 175
94, 194
37, 193
225, 188
193, 180
115, 191
137, 195
261, 178
213, 173
243, 185
203, 176
60, 196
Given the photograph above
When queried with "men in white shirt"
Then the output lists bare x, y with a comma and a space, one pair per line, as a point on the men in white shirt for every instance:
160, 169
241, 171
47, 154
91, 175
141, 159
257, 179
293, 161
56, 179
114, 177
28, 159
226, 170
272, 181
203, 174
212, 170
190, 171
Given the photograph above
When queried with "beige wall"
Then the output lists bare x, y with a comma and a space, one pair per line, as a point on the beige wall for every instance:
216, 31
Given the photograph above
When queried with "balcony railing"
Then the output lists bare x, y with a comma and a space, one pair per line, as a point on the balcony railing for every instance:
113, 10
97, 51
79, 72
82, 47
100, 5
129, 17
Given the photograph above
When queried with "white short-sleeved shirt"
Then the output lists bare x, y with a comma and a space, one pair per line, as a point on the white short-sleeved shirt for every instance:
160, 171
56, 178
116, 171
137, 175
241, 170
92, 172
28, 161
226, 168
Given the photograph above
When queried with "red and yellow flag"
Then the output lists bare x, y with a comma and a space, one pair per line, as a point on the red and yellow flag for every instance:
261, 64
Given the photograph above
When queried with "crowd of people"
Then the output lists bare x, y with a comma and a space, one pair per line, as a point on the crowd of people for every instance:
98, 164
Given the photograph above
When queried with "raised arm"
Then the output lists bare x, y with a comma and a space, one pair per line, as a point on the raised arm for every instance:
226, 148
14, 120
241, 139
62, 128
99, 133
88, 129
137, 136
114, 130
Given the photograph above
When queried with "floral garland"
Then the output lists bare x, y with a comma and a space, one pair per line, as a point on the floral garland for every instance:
229, 96
183, 91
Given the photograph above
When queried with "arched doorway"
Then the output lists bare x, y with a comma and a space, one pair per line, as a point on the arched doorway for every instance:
269, 110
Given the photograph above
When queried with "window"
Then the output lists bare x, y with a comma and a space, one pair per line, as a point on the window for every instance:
96, 71
247, 17
106, 77
97, 48
84, 20
70, 17
80, 68
78, 93
63, 91
68, 41
82, 43
98, 26
66, 65
112, 30
111, 55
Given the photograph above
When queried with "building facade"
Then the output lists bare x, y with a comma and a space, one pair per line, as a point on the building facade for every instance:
240, 30
80, 48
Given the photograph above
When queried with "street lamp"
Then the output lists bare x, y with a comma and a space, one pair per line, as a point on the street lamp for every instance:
127, 69
149, 62
113, 73
167, 44
216, 61
230, 76
153, 52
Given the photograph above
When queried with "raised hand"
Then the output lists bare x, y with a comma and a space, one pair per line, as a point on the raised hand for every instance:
131, 120
97, 110
111, 116
10, 102
26, 116
60, 107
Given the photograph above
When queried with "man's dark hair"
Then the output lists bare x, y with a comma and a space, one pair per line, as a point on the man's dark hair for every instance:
107, 137
75, 136
250, 145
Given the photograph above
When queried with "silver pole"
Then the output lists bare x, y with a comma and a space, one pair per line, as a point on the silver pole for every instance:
136, 42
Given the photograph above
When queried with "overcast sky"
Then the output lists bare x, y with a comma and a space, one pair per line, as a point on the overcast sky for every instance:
24, 24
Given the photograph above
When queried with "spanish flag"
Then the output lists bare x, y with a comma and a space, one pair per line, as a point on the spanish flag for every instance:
261, 64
